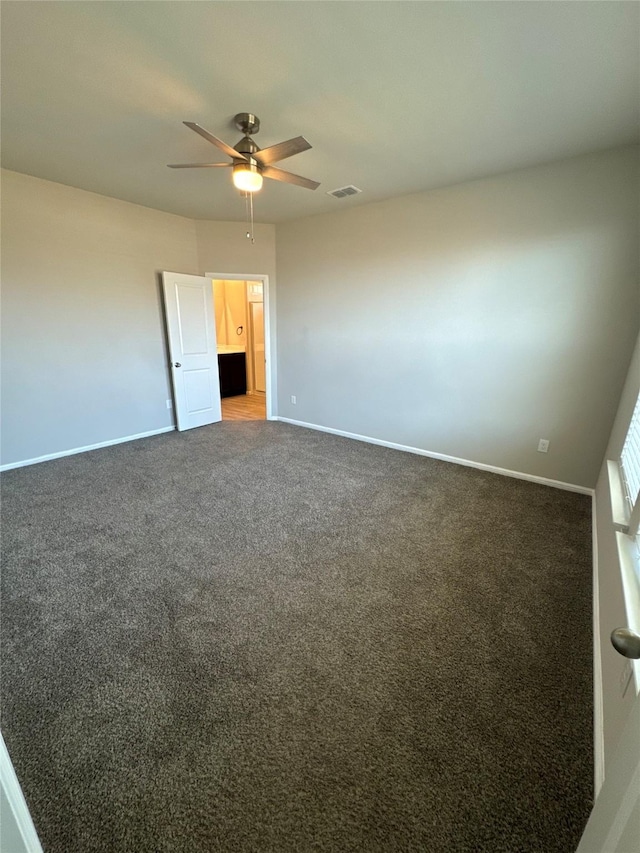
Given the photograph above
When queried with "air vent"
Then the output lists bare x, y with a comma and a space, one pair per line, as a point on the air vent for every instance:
343, 192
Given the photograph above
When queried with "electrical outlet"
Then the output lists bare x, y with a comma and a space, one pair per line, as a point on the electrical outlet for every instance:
543, 445
169, 404
293, 399
625, 676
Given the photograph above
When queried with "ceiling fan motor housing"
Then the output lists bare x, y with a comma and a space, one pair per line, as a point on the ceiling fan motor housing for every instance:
246, 146
247, 123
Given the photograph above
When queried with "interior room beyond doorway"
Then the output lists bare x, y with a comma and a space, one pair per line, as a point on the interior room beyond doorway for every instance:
240, 335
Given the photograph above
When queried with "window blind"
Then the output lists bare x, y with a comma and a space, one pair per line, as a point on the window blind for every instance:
630, 459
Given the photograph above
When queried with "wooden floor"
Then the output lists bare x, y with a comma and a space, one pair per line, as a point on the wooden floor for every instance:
245, 407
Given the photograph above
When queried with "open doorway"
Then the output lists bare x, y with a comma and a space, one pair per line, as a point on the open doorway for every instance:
239, 307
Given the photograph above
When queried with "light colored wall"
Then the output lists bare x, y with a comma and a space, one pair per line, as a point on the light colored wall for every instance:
231, 311
219, 310
84, 357
236, 298
11, 839
612, 613
17, 832
470, 321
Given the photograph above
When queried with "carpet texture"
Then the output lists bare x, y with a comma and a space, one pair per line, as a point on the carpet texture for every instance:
255, 637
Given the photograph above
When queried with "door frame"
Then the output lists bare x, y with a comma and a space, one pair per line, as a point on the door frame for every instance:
269, 345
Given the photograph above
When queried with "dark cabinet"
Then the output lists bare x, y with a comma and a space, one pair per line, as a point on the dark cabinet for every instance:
232, 368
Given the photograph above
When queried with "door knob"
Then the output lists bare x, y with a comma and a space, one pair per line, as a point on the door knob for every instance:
627, 642
177, 364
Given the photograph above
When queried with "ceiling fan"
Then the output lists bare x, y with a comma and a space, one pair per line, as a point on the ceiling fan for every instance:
250, 163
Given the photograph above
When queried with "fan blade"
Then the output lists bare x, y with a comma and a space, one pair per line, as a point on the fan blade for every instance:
282, 150
197, 165
228, 150
289, 178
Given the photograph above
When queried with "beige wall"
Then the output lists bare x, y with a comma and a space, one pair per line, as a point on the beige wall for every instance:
470, 321
230, 300
219, 310
84, 356
83, 350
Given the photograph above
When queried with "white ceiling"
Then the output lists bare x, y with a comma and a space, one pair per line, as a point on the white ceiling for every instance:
395, 97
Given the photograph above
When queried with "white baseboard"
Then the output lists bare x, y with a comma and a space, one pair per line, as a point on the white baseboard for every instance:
518, 475
75, 450
598, 707
17, 825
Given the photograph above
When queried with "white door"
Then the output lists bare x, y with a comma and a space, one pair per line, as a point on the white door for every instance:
188, 303
257, 338
614, 825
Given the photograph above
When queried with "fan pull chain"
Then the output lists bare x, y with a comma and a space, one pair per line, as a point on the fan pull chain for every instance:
248, 198
251, 209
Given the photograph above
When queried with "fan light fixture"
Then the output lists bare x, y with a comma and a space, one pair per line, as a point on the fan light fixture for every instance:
247, 177
250, 162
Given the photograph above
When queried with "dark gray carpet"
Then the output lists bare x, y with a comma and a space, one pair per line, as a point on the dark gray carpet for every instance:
254, 637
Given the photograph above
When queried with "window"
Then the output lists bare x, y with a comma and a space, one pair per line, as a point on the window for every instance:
624, 486
630, 466
616, 531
